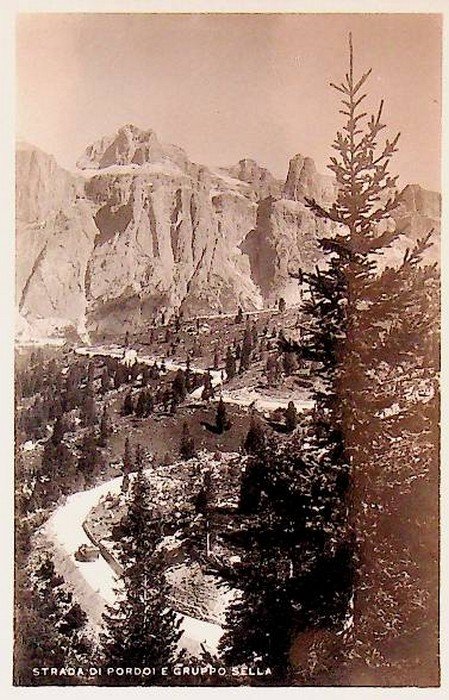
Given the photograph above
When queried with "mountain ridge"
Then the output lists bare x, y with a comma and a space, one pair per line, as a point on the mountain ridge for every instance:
141, 228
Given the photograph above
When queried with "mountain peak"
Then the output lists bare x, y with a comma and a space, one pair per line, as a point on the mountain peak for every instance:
303, 180
249, 171
130, 145
415, 198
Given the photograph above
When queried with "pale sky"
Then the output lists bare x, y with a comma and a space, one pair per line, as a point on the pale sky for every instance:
225, 87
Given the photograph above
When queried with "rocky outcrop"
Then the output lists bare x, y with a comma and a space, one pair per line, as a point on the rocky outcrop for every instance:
168, 235
418, 213
130, 146
140, 229
417, 201
260, 179
303, 181
285, 239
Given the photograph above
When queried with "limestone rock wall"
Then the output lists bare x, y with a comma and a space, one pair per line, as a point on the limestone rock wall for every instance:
139, 228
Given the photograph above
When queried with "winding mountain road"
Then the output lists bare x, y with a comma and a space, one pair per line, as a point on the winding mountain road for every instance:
95, 583
241, 397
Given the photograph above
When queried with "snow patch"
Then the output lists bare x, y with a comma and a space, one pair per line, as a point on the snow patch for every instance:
163, 167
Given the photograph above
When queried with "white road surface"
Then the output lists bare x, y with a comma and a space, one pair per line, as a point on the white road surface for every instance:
94, 582
239, 397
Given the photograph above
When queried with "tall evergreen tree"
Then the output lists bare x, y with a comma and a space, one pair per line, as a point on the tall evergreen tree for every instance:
254, 441
291, 417
304, 493
145, 375
121, 375
364, 326
202, 498
149, 407
105, 380
272, 370
88, 408
290, 363
230, 364
247, 346
179, 387
141, 405
71, 386
90, 460
127, 458
128, 404
140, 629
208, 391
59, 430
105, 428
138, 459
90, 374
187, 445
239, 316
221, 419
254, 334
254, 446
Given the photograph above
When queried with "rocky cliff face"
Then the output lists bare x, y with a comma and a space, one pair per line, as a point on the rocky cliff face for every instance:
140, 228
419, 213
303, 181
260, 179
55, 236
42, 187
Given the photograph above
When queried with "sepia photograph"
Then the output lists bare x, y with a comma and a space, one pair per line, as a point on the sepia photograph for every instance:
227, 349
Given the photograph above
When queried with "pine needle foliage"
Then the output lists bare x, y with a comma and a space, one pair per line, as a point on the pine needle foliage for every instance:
140, 629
